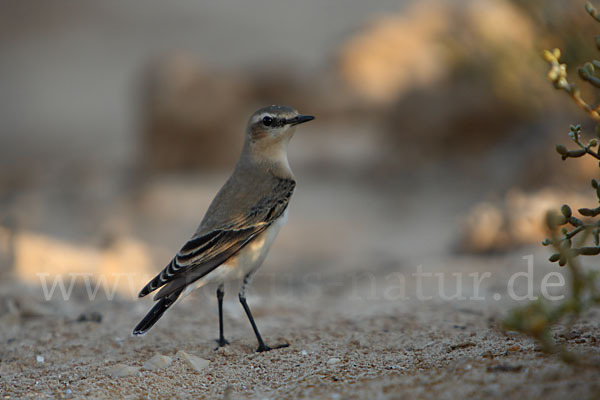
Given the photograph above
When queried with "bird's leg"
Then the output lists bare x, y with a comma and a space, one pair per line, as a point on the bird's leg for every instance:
242, 295
220, 294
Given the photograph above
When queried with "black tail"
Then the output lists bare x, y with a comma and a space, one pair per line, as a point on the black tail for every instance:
157, 311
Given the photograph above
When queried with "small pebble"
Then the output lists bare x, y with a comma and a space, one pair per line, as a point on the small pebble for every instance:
333, 361
157, 362
223, 350
91, 316
40, 359
196, 363
487, 354
119, 370
504, 368
304, 353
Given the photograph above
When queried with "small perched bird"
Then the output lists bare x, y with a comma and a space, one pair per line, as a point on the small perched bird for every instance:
241, 223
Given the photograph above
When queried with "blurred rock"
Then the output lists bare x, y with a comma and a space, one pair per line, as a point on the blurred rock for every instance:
433, 41
120, 267
449, 80
455, 120
484, 229
195, 117
191, 115
395, 53
517, 221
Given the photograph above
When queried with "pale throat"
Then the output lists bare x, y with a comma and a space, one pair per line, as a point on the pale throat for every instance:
273, 153
278, 154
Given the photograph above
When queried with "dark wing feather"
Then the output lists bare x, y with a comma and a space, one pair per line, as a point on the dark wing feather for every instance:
204, 252
195, 270
191, 247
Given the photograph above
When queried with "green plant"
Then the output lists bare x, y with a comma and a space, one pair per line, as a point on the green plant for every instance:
568, 235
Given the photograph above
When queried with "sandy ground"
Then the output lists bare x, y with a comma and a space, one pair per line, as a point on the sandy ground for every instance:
349, 308
338, 349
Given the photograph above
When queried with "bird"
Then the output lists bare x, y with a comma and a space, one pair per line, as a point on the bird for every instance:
240, 224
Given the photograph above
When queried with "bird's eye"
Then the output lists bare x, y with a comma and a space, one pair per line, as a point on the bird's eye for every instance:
267, 121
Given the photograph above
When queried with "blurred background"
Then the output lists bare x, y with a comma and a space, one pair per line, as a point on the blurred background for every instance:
433, 143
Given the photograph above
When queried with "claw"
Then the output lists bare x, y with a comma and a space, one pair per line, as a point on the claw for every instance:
221, 343
262, 348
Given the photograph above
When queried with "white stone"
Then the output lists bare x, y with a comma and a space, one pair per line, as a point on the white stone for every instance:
119, 370
157, 362
333, 361
195, 362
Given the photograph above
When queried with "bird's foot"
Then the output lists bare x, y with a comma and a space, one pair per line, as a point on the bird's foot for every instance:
222, 342
263, 347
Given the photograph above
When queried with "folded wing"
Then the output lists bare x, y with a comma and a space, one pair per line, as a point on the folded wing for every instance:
205, 251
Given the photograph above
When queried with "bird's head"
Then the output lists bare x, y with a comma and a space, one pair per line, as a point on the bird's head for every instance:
271, 128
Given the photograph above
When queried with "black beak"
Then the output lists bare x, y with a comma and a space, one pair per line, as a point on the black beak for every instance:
300, 119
